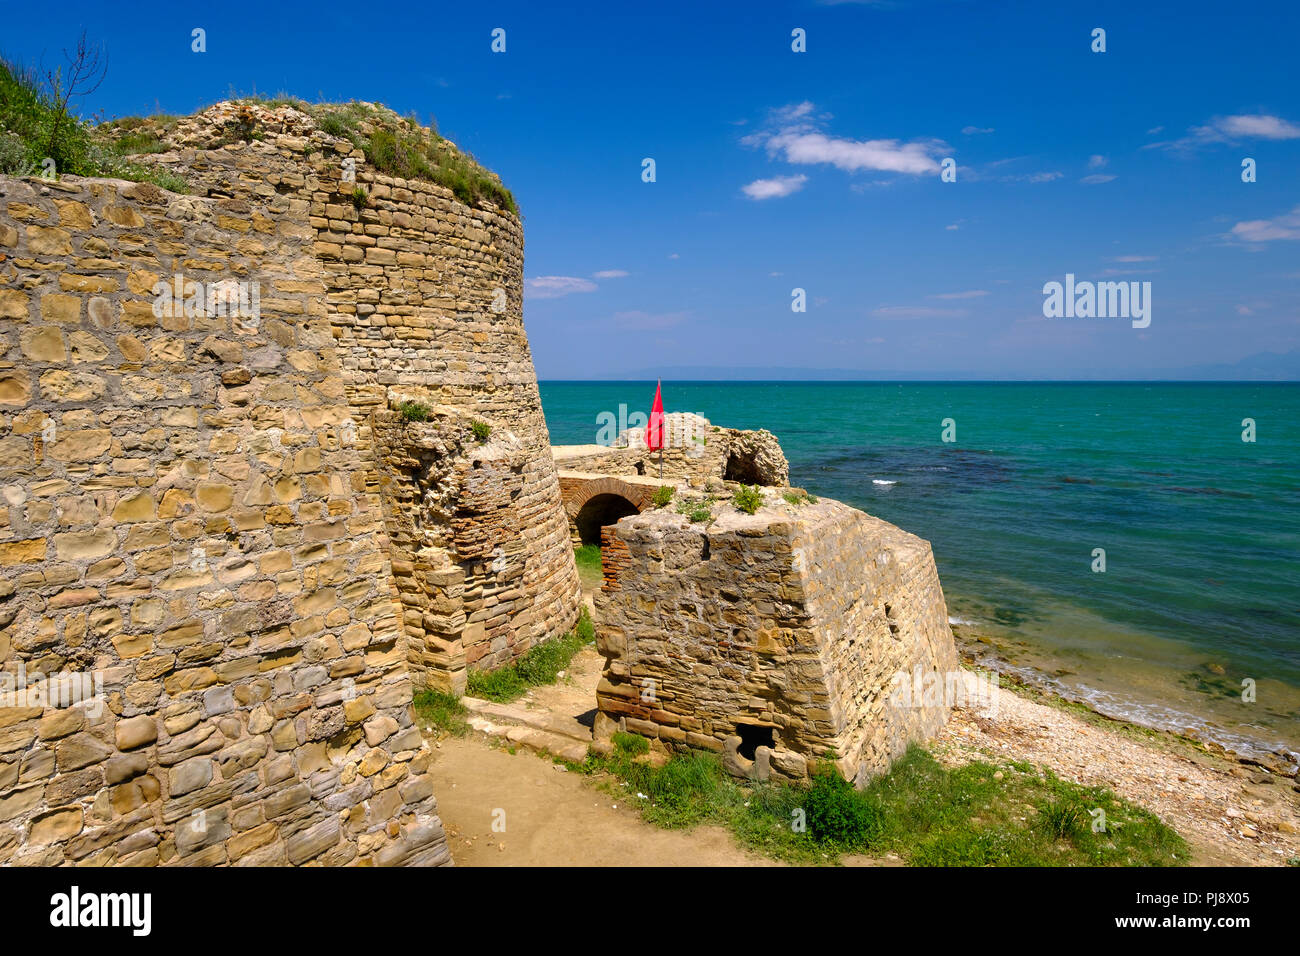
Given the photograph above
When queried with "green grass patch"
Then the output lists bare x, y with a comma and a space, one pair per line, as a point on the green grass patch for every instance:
924, 812
590, 572
35, 128
541, 665
444, 712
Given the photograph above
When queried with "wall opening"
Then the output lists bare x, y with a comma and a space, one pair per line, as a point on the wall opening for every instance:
753, 736
599, 511
743, 468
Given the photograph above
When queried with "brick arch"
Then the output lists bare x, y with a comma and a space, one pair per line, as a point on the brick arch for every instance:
578, 491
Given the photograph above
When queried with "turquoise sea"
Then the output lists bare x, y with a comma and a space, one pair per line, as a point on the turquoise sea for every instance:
1200, 597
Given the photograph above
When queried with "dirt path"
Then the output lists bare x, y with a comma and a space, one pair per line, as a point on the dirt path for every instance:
556, 818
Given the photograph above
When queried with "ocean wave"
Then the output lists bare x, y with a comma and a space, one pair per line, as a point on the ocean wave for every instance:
883, 481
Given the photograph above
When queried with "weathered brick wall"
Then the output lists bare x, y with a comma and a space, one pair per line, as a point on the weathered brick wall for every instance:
794, 621
187, 517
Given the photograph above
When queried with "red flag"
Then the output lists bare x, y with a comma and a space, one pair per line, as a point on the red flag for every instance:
654, 429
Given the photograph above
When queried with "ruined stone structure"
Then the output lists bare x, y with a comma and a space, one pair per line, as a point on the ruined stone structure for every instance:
774, 638
599, 484
228, 523
696, 451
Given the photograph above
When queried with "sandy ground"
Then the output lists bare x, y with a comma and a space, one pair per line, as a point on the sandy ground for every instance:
556, 818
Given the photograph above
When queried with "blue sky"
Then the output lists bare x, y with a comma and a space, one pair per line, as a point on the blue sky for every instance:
778, 170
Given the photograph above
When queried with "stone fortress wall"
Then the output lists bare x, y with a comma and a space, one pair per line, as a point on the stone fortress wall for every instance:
224, 530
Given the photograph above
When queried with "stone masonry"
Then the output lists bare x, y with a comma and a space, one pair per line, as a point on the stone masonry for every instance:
774, 639
221, 530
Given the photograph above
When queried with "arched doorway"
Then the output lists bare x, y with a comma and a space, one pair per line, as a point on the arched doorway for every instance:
598, 511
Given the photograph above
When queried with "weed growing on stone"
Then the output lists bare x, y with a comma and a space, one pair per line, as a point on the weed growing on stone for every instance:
360, 198
663, 494
748, 498
413, 411
35, 126
481, 430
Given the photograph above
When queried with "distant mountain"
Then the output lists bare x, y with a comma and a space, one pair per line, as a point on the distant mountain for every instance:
1261, 367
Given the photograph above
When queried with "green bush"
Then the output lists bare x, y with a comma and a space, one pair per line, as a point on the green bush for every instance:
748, 498
1063, 820
360, 198
413, 411
481, 430
663, 494
838, 814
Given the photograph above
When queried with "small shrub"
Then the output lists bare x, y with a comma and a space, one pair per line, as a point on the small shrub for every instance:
1062, 820
663, 495
481, 430
360, 198
413, 411
793, 498
838, 814
748, 498
631, 744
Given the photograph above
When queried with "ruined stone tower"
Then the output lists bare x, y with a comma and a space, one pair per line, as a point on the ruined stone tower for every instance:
256, 535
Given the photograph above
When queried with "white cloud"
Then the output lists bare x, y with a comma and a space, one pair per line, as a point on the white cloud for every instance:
969, 294
795, 134
1097, 161
975, 130
1231, 129
1134, 258
1285, 226
774, 188
553, 287
1096, 178
887, 155
610, 274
